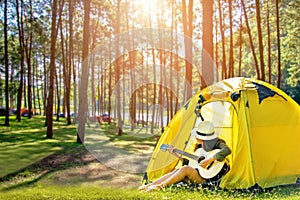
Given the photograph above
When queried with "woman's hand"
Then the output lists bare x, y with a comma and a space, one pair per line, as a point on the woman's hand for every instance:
171, 149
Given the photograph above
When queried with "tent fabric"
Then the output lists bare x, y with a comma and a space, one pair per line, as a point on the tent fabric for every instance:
259, 122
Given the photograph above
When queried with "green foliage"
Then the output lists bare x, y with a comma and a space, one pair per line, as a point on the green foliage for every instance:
291, 40
289, 44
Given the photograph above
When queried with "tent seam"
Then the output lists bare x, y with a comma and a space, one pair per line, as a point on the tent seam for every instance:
249, 132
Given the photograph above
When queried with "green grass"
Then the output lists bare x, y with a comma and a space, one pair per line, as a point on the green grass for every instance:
22, 144
92, 192
31, 167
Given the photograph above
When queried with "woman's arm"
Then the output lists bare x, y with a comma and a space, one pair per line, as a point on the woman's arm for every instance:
171, 150
224, 150
220, 156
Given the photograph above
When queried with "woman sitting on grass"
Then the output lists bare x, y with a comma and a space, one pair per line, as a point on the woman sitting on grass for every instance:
207, 139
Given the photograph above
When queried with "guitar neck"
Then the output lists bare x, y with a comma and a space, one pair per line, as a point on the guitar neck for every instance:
191, 156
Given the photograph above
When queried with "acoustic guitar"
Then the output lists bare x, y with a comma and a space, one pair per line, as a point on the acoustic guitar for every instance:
194, 159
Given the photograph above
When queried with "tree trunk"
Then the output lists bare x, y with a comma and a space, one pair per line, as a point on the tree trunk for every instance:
34, 76
70, 64
240, 45
231, 63
74, 69
63, 67
177, 71
269, 44
45, 86
117, 70
170, 113
49, 111
224, 69
187, 22
207, 77
58, 93
6, 123
216, 48
260, 41
83, 107
278, 45
21, 50
251, 41
28, 51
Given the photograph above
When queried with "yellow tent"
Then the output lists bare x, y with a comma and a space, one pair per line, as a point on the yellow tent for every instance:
259, 122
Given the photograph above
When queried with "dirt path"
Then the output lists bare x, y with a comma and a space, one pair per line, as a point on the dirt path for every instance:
77, 167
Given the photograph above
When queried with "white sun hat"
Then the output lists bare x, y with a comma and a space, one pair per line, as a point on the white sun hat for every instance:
205, 131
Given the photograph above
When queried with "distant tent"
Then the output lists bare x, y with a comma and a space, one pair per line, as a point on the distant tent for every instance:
259, 122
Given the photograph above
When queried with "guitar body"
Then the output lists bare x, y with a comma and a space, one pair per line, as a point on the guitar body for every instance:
212, 170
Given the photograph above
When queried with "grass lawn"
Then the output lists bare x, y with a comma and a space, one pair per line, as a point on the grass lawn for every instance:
33, 167
22, 144
39, 191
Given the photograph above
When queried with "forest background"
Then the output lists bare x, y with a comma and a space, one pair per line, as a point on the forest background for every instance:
45, 45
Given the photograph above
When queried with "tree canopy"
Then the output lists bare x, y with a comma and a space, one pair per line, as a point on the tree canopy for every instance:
49, 44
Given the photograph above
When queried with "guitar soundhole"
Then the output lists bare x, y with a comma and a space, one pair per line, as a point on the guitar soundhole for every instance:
201, 158
209, 166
